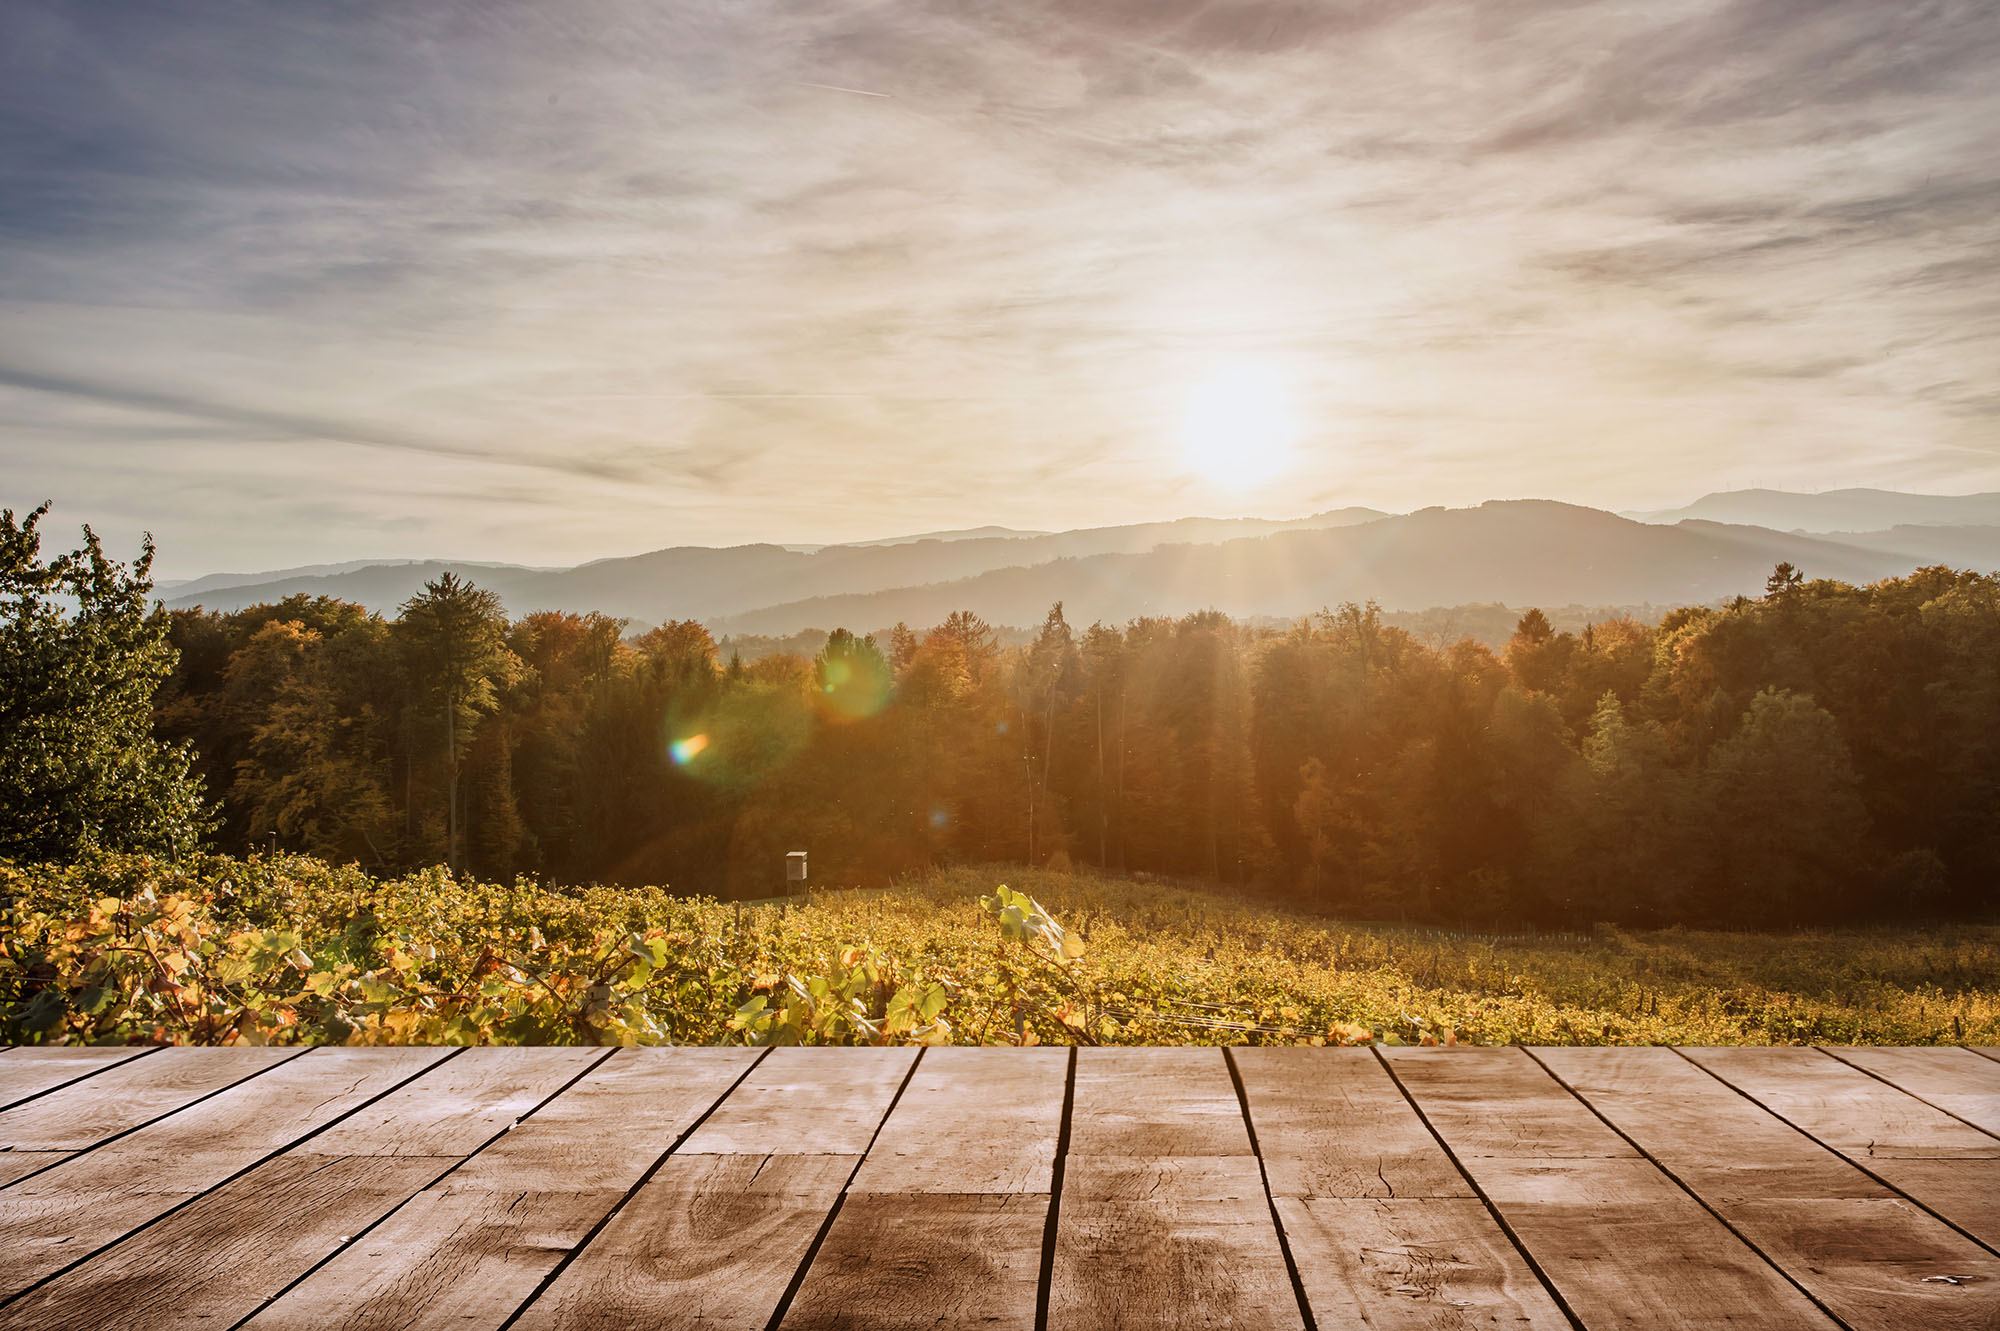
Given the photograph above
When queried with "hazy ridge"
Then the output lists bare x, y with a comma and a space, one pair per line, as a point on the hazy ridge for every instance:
1504, 552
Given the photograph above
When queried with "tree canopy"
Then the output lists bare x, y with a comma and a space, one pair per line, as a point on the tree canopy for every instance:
83, 651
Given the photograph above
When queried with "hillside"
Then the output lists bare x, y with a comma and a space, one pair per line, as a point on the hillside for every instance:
1519, 552
706, 582
1853, 510
1511, 552
1160, 963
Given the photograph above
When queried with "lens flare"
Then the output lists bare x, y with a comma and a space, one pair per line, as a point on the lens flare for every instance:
851, 691
686, 750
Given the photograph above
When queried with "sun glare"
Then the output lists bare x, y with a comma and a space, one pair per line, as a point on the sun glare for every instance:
1238, 428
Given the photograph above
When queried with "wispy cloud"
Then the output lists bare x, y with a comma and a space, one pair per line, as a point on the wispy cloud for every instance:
545, 282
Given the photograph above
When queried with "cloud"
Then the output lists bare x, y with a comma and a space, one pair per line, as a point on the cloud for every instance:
596, 273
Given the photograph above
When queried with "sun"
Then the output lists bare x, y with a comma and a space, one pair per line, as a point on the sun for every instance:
1238, 429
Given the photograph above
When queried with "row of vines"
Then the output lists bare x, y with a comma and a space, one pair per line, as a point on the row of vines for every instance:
291, 950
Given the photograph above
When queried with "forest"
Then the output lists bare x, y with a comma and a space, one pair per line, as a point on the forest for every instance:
1824, 752
1821, 753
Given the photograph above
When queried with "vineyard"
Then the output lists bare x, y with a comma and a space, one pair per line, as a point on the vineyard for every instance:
291, 950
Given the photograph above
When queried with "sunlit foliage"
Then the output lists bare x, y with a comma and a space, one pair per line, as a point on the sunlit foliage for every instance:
290, 950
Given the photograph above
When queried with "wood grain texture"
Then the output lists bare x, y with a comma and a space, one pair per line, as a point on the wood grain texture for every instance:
1957, 1081
121, 1098
1156, 1102
457, 1106
31, 1072
1384, 1229
972, 1121
17, 1165
217, 1259
1922, 1152
710, 1242
61, 1214
1498, 1103
1164, 1220
1421, 1264
1623, 1244
944, 1220
1332, 1123
1871, 1258
927, 1259
470, 1249
356, 1188
848, 1090
1165, 1262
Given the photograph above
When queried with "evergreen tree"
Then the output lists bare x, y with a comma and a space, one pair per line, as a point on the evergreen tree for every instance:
83, 651
455, 635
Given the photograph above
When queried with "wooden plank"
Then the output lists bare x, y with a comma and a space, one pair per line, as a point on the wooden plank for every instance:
971, 1121
1621, 1242
1986, 1051
945, 1217
715, 1237
91, 1200
1844, 1107
1384, 1229
1957, 1081
1411, 1264
927, 1259
17, 1165
1922, 1152
25, 1073
849, 1089
222, 1255
123, 1097
710, 1242
1156, 1102
1332, 1123
474, 1246
1876, 1262
1164, 1220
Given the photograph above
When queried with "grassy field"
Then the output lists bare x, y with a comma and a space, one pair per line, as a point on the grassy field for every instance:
293, 950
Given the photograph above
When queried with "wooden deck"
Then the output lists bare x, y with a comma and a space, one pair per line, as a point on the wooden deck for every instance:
722, 1188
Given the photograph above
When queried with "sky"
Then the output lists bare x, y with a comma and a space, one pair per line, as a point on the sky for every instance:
545, 282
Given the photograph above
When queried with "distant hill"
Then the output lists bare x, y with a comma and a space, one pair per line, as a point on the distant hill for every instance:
1519, 552
965, 534
1961, 547
185, 588
1835, 510
1512, 553
705, 582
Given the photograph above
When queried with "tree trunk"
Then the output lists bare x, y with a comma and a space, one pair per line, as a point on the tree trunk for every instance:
451, 787
1121, 778
1103, 809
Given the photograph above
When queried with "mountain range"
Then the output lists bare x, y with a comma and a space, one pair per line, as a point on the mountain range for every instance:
1511, 552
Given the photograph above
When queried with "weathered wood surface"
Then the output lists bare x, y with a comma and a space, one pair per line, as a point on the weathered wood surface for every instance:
715, 1237
474, 1246
944, 1220
1957, 1081
1623, 1243
26, 1073
1164, 1219
58, 1217
1868, 1256
1385, 1230
1916, 1148
711, 1188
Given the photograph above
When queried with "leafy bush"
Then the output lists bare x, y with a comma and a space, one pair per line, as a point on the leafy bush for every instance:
290, 950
